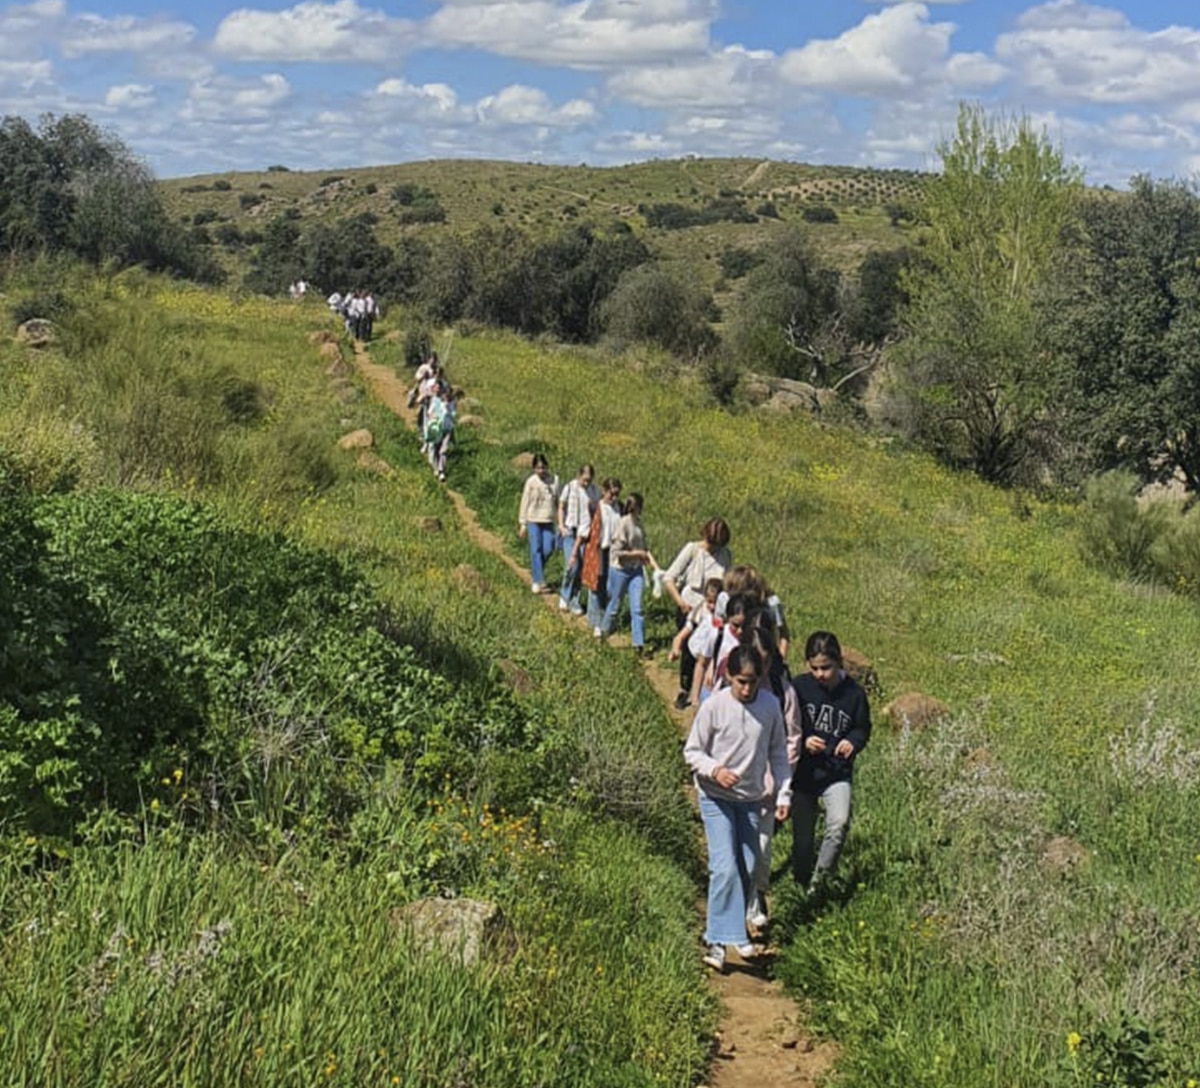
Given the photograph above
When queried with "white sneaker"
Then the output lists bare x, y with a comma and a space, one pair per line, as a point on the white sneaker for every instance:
714, 957
536, 587
748, 951
597, 633
756, 917
562, 605
576, 610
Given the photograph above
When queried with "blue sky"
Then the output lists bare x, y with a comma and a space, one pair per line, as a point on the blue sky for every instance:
317, 84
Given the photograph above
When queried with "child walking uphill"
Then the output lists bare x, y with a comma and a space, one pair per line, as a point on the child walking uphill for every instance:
834, 725
737, 738
535, 519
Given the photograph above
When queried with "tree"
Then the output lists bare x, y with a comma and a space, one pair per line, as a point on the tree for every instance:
1127, 323
652, 305
980, 389
71, 187
789, 302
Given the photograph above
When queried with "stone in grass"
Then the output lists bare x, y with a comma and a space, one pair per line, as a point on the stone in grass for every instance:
518, 680
322, 336
912, 710
369, 461
356, 440
429, 525
37, 332
522, 460
1062, 855
470, 422
466, 930
469, 580
858, 666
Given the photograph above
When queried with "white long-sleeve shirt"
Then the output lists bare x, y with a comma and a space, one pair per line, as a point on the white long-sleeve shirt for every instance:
746, 738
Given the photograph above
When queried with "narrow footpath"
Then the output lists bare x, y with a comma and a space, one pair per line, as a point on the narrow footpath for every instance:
760, 1041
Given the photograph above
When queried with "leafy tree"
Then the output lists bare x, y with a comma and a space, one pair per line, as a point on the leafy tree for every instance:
651, 304
1127, 322
873, 313
70, 187
789, 301
979, 386
278, 260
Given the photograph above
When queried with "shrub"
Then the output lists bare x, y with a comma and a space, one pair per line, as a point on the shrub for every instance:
278, 168
331, 179
222, 185
371, 188
418, 343
1119, 534
249, 200
205, 215
649, 304
819, 213
736, 262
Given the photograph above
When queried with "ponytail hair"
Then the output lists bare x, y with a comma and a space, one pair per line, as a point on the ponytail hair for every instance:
632, 505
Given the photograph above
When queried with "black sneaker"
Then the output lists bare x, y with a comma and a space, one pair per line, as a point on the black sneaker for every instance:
682, 702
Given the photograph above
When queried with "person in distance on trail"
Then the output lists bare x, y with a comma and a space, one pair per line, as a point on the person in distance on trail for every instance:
440, 416
597, 543
535, 519
370, 312
832, 726
684, 581
737, 613
628, 557
737, 739
576, 505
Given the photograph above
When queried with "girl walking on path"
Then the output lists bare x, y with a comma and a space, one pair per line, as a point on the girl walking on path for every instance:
597, 542
737, 738
628, 557
536, 518
833, 726
575, 508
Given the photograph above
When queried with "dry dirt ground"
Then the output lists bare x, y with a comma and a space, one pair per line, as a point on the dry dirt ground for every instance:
760, 1042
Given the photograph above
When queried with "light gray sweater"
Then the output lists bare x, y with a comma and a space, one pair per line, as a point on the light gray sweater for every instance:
748, 739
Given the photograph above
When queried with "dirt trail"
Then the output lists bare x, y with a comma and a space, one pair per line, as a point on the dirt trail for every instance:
755, 175
759, 1041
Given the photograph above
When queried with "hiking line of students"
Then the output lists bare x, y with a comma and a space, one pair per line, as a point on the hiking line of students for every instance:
764, 747
358, 311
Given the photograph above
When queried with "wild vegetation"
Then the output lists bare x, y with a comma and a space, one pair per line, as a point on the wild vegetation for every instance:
255, 699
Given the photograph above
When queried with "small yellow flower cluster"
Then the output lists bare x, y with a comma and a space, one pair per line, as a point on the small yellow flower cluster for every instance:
1074, 1039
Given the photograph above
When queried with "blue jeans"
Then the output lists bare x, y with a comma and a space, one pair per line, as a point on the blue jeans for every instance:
835, 799
598, 597
569, 591
620, 582
731, 831
541, 547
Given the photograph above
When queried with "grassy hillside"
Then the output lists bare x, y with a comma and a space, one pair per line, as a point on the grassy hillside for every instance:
538, 198
1020, 904
1020, 899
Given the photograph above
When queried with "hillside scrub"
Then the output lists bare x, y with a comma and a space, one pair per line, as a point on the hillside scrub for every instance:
250, 786
1024, 874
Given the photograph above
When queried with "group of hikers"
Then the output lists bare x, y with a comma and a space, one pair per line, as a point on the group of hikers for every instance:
764, 746
358, 311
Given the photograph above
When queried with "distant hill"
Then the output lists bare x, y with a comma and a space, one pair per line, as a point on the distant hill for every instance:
690, 210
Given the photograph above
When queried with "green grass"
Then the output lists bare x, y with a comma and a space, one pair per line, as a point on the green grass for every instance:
580, 831
965, 952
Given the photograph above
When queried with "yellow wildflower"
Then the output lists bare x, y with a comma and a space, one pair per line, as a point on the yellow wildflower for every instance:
1073, 1041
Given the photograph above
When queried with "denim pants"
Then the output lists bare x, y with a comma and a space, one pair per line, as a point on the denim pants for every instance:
731, 832
569, 591
541, 547
835, 799
620, 582
598, 597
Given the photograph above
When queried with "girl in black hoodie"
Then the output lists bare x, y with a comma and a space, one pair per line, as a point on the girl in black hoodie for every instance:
833, 724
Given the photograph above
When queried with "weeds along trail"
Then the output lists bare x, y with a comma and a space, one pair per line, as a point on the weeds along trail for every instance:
759, 1040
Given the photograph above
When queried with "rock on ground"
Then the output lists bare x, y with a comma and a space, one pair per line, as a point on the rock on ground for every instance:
464, 929
356, 440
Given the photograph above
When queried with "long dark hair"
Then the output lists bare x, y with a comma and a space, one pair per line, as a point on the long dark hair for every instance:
632, 505
823, 643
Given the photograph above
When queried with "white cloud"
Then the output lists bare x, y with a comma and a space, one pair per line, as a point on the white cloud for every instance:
1080, 52
313, 31
521, 105
725, 81
435, 103
587, 34
897, 49
225, 100
129, 96
24, 27
124, 34
25, 74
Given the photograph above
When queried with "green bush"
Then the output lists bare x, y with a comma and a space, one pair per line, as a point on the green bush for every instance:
1119, 534
819, 213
